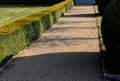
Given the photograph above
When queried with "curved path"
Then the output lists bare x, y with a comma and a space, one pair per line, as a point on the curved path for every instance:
68, 51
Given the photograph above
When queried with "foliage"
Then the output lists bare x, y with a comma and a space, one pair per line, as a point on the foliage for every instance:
19, 34
111, 32
102, 5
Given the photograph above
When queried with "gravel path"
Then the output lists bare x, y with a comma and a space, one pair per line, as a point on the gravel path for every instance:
68, 51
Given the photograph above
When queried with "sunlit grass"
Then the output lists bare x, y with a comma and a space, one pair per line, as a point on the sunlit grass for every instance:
98, 17
98, 22
9, 13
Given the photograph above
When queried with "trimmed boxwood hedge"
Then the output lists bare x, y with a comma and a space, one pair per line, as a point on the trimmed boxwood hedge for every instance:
19, 34
30, 2
110, 30
102, 5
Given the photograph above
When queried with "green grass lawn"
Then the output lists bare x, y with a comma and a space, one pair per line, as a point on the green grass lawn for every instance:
9, 13
99, 20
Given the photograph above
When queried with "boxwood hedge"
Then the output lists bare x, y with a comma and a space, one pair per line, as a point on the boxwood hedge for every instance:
102, 5
19, 34
111, 32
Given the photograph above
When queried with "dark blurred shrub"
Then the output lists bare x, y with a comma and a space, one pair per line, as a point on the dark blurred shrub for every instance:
102, 5
110, 29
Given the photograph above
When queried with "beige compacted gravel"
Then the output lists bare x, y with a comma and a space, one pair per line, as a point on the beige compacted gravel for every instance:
68, 51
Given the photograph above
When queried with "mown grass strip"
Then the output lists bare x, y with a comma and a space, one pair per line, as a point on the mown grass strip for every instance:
10, 13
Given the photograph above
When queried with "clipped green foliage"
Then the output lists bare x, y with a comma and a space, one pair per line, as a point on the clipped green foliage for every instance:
19, 34
110, 30
13, 40
30, 2
102, 5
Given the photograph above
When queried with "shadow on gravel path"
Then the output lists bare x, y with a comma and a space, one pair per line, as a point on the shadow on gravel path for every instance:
71, 66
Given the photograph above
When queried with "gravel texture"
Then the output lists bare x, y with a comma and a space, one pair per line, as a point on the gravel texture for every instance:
68, 51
